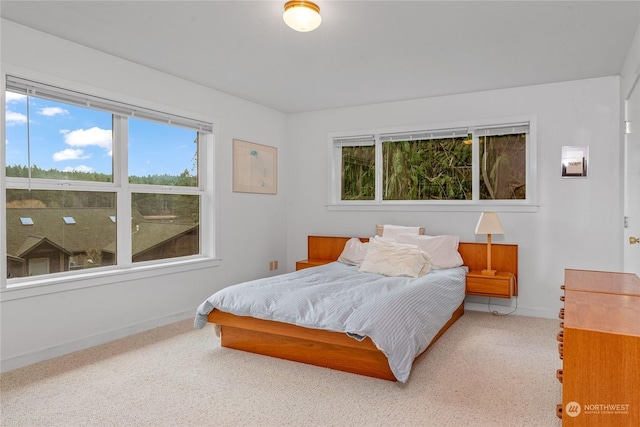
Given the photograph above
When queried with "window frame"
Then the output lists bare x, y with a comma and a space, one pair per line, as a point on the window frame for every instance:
125, 268
529, 204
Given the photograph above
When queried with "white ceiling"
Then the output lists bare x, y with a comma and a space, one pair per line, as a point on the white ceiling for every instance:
364, 52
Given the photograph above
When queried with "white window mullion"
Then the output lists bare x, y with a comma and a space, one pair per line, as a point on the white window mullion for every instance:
3, 206
475, 167
335, 168
206, 185
532, 164
379, 172
123, 198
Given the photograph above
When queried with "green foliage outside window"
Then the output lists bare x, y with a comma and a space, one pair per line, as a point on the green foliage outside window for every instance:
358, 173
435, 169
503, 167
22, 171
186, 179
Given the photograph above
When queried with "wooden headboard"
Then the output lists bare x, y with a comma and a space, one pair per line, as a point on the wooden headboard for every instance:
504, 257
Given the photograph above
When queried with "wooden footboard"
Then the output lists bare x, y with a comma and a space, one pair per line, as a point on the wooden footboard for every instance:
328, 349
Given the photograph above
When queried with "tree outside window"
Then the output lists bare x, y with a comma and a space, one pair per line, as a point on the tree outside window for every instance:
437, 165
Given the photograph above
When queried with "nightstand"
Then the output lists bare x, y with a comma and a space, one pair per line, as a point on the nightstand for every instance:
306, 263
501, 285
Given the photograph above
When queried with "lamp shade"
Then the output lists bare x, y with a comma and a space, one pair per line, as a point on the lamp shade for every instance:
489, 223
302, 15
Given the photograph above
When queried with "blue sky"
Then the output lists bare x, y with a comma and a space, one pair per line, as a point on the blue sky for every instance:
71, 138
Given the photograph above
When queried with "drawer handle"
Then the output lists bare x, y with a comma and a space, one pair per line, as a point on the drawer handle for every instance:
559, 375
562, 287
560, 336
561, 350
562, 325
561, 314
559, 410
562, 298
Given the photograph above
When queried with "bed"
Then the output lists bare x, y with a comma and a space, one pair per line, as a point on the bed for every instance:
354, 347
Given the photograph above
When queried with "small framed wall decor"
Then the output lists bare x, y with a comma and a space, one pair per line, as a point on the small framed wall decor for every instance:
255, 168
575, 160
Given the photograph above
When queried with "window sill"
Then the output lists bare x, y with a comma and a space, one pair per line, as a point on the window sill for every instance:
35, 288
433, 207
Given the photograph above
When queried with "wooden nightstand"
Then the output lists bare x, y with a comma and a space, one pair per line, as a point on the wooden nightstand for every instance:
501, 285
306, 263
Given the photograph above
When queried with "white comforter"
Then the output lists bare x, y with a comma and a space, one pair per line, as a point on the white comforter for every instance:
401, 315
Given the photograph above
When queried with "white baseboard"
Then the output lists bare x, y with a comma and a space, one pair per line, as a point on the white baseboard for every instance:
40, 355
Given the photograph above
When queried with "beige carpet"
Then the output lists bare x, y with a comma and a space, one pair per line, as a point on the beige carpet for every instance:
485, 371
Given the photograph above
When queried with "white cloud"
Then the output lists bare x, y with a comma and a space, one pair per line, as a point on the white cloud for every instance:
15, 97
88, 137
13, 118
53, 111
69, 154
81, 168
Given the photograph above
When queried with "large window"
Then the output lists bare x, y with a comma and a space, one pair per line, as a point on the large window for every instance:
93, 183
471, 165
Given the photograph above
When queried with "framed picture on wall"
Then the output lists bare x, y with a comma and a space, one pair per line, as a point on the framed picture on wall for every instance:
255, 168
575, 161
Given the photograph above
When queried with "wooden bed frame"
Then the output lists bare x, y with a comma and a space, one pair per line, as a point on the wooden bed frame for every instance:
336, 350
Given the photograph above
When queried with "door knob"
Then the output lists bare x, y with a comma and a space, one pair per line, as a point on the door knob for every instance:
634, 240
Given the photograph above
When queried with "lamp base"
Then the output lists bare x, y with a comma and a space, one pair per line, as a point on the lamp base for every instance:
489, 272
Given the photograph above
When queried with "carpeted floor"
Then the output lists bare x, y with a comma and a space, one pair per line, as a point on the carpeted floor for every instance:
485, 371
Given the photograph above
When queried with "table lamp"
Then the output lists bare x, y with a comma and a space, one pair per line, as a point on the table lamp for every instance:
489, 224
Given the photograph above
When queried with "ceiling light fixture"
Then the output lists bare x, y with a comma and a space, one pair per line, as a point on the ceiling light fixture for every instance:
302, 15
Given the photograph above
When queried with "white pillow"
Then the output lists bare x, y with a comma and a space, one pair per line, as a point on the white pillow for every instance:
443, 249
392, 231
353, 252
395, 259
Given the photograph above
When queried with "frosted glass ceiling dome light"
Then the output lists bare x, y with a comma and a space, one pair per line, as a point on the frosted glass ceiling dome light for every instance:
302, 15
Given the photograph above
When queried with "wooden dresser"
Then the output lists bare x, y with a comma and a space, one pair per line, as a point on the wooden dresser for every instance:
599, 344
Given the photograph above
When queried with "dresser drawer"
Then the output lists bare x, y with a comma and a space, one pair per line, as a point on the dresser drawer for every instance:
499, 286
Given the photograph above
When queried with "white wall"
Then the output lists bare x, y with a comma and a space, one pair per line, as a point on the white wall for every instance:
250, 227
631, 68
577, 225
